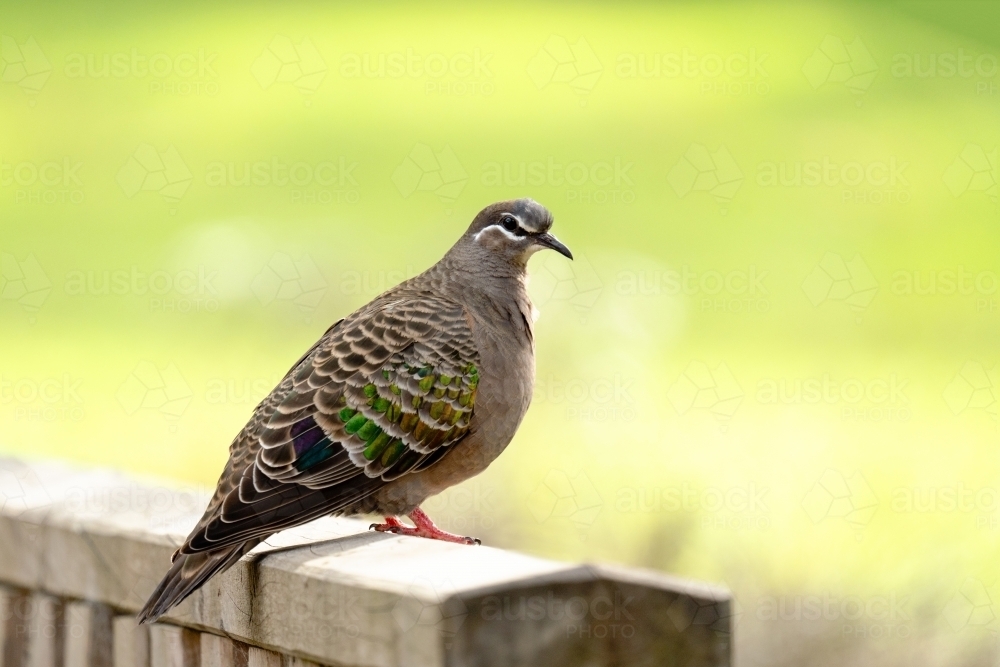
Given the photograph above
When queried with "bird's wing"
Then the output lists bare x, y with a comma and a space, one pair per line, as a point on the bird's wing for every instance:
384, 393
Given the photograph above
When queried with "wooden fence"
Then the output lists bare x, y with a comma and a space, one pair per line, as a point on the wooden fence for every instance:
80, 550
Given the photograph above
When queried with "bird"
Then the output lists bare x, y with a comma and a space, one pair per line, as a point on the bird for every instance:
417, 391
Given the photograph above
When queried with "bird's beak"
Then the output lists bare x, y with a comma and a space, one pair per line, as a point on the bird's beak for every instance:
548, 241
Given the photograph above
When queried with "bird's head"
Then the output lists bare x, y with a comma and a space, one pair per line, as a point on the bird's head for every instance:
513, 231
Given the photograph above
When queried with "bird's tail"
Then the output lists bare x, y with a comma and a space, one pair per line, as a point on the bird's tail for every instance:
186, 575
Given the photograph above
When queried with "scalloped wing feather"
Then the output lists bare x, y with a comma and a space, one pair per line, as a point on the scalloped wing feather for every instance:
383, 393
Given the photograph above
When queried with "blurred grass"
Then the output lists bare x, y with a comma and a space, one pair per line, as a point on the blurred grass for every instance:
593, 473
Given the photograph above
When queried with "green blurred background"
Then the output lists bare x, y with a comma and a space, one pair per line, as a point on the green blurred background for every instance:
772, 365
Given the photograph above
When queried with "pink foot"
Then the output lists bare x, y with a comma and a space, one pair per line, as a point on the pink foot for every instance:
423, 527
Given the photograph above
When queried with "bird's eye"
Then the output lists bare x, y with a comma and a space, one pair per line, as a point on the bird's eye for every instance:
509, 223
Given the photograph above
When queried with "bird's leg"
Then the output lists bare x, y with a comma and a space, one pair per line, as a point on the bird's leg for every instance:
423, 527
426, 528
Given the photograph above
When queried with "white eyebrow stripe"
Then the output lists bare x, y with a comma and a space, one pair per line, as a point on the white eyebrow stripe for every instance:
505, 232
531, 229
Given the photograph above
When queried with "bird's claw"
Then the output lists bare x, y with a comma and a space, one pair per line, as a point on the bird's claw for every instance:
422, 529
385, 527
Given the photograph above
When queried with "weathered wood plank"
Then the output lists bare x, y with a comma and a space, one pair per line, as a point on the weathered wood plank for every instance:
131, 642
334, 593
45, 627
88, 635
219, 651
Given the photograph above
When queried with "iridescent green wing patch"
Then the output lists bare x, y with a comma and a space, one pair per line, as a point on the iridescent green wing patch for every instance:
386, 392
408, 412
